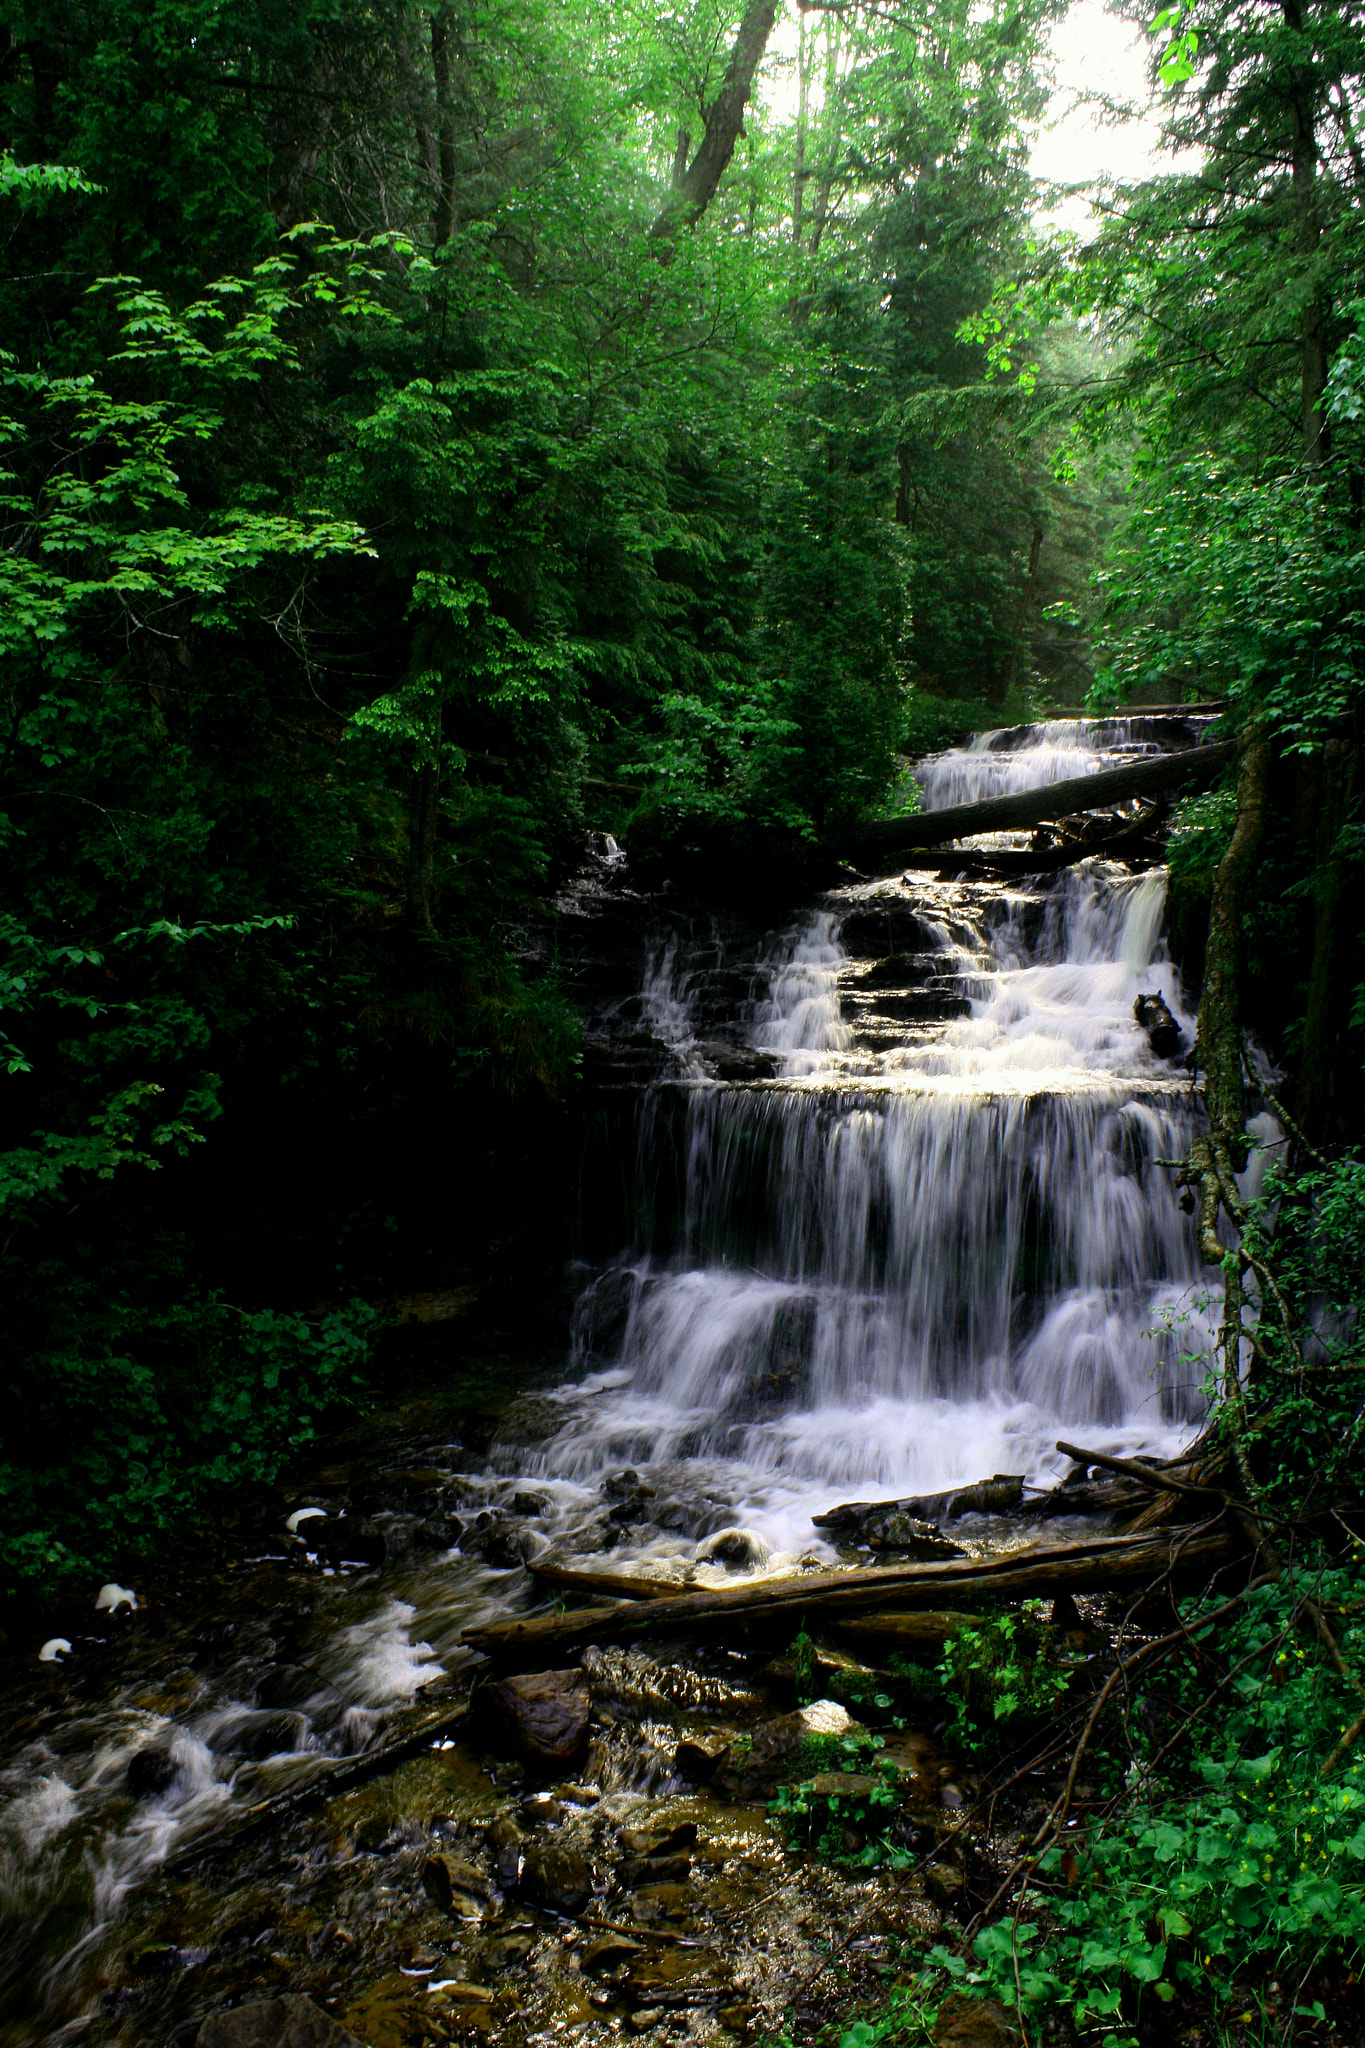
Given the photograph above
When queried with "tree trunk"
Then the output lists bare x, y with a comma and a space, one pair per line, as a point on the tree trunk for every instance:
694, 188
1010, 672
1307, 235
422, 811
1322, 1022
442, 41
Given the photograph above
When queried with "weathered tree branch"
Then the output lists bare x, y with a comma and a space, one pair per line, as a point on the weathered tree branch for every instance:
1037, 806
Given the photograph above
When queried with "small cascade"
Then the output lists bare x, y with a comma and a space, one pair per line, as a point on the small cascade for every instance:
1023, 757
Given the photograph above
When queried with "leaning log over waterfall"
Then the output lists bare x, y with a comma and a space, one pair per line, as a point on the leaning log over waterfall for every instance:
1096, 1567
1035, 806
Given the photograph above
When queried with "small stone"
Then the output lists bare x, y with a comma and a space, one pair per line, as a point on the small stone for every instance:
644, 1870
648, 2016
555, 1874
460, 1993
735, 2018
950, 1797
974, 2023
454, 1886
607, 1950
578, 1795
506, 1841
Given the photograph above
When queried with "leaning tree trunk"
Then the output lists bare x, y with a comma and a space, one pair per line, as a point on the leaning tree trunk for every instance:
1221, 1154
422, 811
694, 185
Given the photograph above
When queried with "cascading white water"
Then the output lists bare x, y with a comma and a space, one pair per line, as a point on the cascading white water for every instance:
1026, 757
906, 1264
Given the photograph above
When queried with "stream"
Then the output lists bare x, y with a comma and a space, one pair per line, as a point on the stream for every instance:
889, 1217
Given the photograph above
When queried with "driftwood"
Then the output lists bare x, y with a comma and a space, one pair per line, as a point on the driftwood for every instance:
1094, 1567
619, 1585
1148, 777
911, 1634
985, 1497
1150, 1475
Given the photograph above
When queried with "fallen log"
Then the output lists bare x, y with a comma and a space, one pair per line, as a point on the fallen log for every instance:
620, 1585
1131, 1468
1137, 841
984, 1497
1147, 777
1098, 1566
912, 1634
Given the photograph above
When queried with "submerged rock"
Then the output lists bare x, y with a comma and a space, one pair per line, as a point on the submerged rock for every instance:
289, 2022
912, 1537
555, 1874
545, 1711
151, 1771
456, 1887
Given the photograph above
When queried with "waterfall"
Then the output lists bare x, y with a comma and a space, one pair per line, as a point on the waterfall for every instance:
926, 1248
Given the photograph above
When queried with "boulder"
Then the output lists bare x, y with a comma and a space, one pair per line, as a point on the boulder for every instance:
545, 1711
738, 1548
151, 1771
698, 1756
1163, 1033
289, 2022
974, 2023
637, 1871
555, 1874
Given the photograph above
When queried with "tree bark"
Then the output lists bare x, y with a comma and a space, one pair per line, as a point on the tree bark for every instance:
442, 39
422, 813
694, 188
1040, 806
1322, 1023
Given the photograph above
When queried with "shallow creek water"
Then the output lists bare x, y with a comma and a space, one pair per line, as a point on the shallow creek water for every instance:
924, 1234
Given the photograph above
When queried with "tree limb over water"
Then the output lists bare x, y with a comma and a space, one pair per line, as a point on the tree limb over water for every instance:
1038, 806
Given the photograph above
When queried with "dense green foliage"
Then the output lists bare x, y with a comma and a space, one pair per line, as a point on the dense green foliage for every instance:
398, 479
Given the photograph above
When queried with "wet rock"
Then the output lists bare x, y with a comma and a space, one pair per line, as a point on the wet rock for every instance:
293, 1685
509, 1950
438, 1532
644, 2018
379, 1834
638, 1871
347, 1539
289, 2022
546, 1712
841, 1785
506, 1842
603, 1311
735, 2018
455, 1886
151, 1771
944, 1882
530, 1504
618, 1485
660, 1841
555, 1874
503, 1544
974, 2023
773, 1745
634, 1510
911, 1537
1163, 1033
738, 1548
698, 1756
607, 1950
265, 1735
